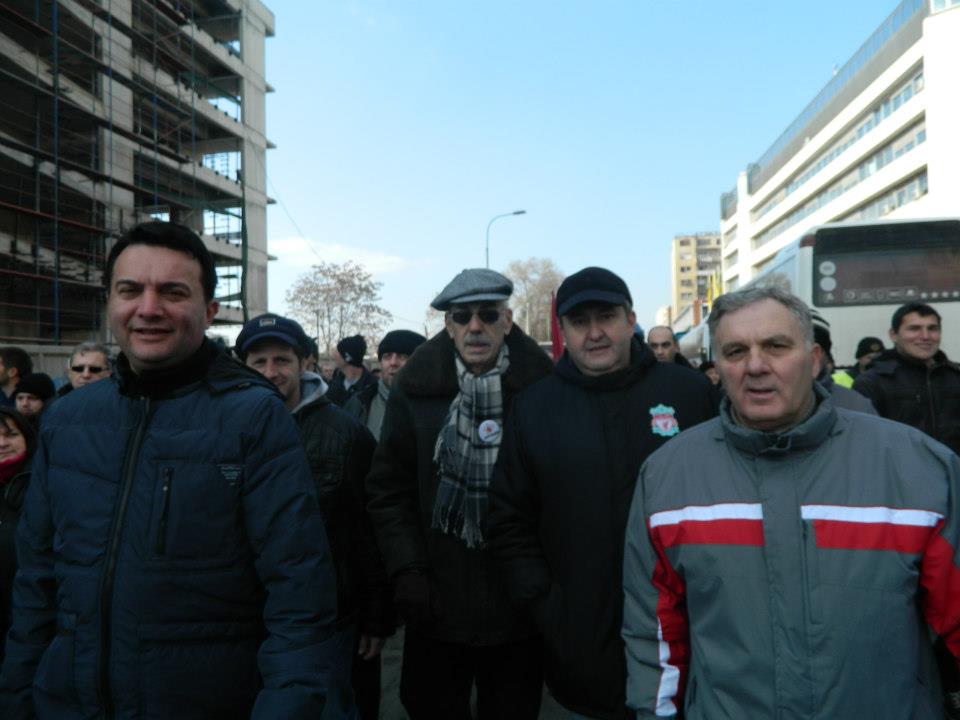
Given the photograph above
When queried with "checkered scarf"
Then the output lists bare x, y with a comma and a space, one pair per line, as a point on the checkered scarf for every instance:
464, 460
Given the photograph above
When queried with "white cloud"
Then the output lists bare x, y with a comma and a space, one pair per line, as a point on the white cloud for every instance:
295, 252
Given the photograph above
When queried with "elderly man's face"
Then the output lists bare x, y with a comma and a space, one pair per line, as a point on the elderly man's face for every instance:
479, 339
767, 365
87, 367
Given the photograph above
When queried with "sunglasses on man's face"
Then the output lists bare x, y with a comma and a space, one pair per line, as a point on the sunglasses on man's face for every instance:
487, 316
92, 368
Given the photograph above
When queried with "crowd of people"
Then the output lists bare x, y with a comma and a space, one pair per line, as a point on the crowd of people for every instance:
193, 531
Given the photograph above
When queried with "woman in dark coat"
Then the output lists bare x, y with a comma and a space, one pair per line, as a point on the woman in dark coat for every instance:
16, 447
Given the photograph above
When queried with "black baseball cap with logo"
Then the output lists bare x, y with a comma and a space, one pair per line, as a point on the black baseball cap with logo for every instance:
275, 327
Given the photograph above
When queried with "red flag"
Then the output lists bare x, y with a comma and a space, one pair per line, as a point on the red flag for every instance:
556, 339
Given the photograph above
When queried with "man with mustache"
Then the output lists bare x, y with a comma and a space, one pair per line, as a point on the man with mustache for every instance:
789, 558
559, 500
428, 497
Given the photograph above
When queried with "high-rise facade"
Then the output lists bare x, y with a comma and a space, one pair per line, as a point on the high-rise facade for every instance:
694, 260
881, 140
113, 112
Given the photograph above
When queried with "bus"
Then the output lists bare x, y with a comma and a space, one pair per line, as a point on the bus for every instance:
857, 274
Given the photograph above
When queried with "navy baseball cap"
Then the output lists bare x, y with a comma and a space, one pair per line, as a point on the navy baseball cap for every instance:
274, 327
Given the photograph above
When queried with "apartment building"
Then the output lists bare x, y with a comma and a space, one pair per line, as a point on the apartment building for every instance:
694, 260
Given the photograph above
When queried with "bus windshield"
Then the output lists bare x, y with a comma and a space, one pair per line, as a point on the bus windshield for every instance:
887, 263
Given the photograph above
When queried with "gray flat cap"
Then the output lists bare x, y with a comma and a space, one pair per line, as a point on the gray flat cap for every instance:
473, 285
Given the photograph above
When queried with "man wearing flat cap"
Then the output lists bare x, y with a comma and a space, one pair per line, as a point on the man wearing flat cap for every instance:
369, 404
351, 377
427, 494
572, 448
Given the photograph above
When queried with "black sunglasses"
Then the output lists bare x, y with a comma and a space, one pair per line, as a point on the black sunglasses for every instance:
92, 368
486, 315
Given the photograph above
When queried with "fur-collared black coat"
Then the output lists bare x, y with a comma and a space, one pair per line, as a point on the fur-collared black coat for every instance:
470, 605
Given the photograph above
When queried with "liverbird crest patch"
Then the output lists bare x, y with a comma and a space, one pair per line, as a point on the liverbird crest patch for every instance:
663, 421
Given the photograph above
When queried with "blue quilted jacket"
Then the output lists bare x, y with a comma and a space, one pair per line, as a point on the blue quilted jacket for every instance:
173, 561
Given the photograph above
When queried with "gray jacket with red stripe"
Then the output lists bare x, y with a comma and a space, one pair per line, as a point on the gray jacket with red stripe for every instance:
791, 576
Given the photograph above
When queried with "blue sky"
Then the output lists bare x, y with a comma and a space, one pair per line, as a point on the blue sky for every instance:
402, 127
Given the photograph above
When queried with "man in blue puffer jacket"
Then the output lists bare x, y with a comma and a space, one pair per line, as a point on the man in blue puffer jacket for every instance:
173, 560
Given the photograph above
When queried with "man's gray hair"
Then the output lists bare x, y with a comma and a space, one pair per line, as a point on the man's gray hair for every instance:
733, 301
89, 347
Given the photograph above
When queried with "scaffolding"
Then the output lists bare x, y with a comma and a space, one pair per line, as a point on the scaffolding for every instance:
113, 112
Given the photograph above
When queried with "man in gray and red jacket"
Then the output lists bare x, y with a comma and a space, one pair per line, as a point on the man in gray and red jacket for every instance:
787, 558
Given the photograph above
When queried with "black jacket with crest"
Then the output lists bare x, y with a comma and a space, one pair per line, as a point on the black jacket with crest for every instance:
470, 605
559, 502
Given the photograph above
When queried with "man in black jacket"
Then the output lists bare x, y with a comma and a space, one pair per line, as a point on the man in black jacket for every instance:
561, 493
173, 561
351, 376
915, 383
339, 450
369, 404
428, 502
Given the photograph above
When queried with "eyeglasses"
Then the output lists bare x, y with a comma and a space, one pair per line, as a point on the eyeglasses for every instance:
92, 368
486, 315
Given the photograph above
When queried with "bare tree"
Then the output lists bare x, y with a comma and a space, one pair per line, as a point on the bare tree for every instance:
433, 321
534, 280
336, 300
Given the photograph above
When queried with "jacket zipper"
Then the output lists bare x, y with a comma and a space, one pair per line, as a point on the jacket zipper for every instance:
933, 413
110, 564
165, 508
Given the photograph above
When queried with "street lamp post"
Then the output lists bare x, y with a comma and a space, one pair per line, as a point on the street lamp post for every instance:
492, 220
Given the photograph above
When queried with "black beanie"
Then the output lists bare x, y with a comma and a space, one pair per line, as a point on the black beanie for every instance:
402, 342
352, 349
38, 384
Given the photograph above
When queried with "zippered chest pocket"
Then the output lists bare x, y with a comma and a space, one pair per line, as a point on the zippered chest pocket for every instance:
197, 512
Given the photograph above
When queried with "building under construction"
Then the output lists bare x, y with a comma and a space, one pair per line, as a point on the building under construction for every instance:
113, 112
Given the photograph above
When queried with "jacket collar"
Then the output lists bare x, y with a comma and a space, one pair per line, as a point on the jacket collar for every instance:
431, 371
313, 390
888, 361
209, 365
808, 434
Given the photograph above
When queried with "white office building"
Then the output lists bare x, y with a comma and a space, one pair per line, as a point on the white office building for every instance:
881, 140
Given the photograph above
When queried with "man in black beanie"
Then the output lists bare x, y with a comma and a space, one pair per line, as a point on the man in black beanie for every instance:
351, 376
34, 392
369, 404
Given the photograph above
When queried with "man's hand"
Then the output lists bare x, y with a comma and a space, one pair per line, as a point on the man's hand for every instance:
411, 595
370, 646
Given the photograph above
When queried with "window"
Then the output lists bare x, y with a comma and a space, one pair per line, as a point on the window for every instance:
890, 201
881, 111
903, 144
